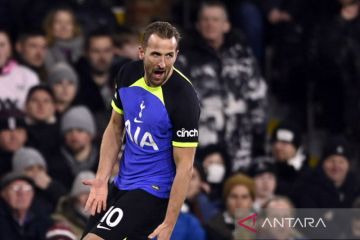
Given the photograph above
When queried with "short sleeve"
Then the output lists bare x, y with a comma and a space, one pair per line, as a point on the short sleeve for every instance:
185, 119
116, 101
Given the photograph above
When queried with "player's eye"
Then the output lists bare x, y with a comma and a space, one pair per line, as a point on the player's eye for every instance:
155, 54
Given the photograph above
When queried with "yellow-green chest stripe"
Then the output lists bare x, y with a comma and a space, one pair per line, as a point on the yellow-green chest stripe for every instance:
157, 91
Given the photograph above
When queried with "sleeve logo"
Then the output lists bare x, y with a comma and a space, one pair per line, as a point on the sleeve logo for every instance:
187, 133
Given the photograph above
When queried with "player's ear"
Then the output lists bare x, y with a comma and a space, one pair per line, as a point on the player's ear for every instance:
141, 52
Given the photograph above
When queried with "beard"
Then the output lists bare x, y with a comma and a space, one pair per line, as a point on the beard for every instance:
153, 81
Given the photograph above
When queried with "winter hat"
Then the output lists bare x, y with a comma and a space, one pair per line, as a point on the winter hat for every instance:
27, 157
78, 117
337, 146
287, 132
239, 179
13, 176
61, 71
11, 119
78, 187
260, 166
60, 232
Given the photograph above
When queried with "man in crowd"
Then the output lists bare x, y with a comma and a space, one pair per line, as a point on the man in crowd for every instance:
42, 123
31, 163
96, 73
230, 86
77, 153
18, 219
15, 79
290, 161
13, 136
31, 48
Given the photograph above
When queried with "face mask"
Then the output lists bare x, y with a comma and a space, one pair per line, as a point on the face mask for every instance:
215, 173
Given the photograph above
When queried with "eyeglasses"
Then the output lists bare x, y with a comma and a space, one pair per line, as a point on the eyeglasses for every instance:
21, 188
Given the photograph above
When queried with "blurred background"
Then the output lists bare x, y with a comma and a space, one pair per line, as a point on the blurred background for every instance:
278, 82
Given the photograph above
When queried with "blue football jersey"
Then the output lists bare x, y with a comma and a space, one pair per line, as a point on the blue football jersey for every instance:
156, 119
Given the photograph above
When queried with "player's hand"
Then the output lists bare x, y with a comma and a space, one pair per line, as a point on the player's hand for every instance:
98, 194
162, 232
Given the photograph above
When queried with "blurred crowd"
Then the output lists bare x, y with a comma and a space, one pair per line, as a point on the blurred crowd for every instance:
279, 86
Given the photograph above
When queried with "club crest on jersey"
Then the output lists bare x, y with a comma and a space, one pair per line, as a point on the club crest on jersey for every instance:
187, 133
138, 119
146, 139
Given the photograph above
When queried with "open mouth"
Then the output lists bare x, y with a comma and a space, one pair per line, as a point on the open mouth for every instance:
159, 73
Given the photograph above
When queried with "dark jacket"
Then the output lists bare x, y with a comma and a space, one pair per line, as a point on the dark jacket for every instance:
47, 199
5, 162
287, 176
316, 190
336, 72
218, 229
34, 228
65, 167
45, 138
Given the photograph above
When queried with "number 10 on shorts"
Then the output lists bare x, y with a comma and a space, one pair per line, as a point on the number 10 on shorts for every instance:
109, 218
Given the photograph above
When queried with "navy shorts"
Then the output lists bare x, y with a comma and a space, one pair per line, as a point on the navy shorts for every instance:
130, 215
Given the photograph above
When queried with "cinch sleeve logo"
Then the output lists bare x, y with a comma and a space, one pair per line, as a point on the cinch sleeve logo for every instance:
187, 133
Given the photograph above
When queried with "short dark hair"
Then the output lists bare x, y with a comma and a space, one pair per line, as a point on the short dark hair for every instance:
96, 34
31, 33
162, 29
40, 87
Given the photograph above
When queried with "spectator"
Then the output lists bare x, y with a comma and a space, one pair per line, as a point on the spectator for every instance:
64, 37
239, 194
17, 218
64, 83
30, 162
288, 38
127, 44
217, 167
188, 227
77, 152
31, 48
15, 80
280, 207
197, 200
42, 123
13, 136
231, 89
340, 78
264, 174
247, 16
290, 160
96, 72
94, 14
336, 186
70, 211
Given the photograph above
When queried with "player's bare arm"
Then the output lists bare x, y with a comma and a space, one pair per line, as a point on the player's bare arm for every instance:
184, 158
110, 148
